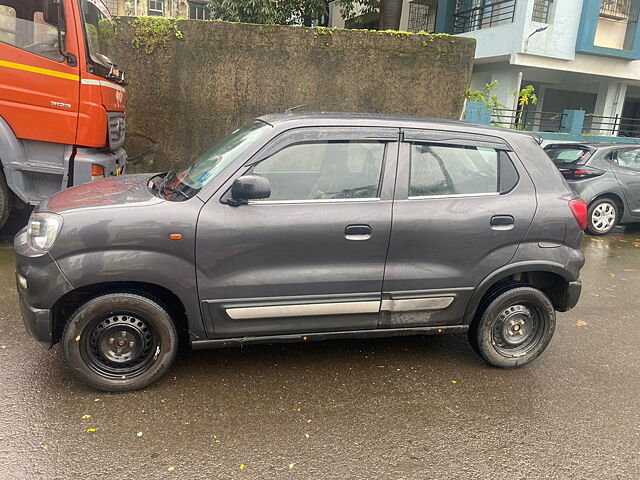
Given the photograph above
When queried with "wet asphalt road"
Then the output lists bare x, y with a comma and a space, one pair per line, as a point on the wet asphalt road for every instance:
416, 407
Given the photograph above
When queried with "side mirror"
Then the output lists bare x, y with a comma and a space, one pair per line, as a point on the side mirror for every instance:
249, 187
51, 12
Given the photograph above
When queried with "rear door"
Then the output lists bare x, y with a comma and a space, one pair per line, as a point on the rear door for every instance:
462, 205
311, 257
626, 167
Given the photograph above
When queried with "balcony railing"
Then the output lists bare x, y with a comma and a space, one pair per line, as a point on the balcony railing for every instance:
527, 120
541, 10
622, 10
620, 126
488, 14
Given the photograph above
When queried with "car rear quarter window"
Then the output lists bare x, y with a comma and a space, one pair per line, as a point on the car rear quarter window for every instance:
457, 170
629, 158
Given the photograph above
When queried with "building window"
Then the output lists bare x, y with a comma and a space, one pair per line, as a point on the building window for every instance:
156, 8
199, 11
112, 5
422, 16
473, 15
542, 11
617, 24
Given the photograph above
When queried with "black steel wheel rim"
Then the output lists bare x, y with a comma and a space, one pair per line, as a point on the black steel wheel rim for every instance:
518, 329
120, 345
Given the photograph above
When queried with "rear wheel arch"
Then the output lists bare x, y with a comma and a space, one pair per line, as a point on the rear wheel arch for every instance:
613, 196
71, 301
549, 279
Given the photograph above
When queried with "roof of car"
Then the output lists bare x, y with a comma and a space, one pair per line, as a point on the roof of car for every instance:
380, 120
593, 144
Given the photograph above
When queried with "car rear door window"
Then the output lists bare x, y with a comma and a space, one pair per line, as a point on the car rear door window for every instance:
629, 158
458, 170
324, 170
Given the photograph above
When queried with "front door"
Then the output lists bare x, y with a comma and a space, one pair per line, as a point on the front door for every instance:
626, 167
461, 209
311, 257
39, 91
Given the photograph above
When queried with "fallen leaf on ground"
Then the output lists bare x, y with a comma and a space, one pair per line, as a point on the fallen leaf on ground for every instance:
97, 400
612, 275
3, 346
139, 434
171, 469
242, 466
84, 417
453, 381
581, 323
306, 435
45, 447
291, 465
309, 421
91, 430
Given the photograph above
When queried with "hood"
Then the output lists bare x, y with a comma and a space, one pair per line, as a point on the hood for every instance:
127, 190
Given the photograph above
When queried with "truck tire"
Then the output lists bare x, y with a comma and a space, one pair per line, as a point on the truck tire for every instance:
119, 342
6, 198
515, 328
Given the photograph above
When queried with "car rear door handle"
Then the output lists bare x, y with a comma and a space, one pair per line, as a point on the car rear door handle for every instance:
358, 232
502, 222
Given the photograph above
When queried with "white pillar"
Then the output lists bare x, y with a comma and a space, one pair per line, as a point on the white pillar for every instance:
507, 90
609, 103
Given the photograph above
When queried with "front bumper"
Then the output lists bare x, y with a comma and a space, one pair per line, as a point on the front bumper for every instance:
113, 163
37, 321
40, 284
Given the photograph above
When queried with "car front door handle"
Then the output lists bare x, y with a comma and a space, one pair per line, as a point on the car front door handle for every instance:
502, 222
358, 232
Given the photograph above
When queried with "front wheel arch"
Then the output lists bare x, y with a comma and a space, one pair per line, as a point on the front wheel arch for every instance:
71, 301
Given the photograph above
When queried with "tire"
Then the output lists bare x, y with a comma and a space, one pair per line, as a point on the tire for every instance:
5, 200
603, 216
119, 342
515, 328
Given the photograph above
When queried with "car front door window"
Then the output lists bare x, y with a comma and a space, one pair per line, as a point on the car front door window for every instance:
326, 170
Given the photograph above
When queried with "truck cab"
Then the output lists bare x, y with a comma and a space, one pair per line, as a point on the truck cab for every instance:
62, 99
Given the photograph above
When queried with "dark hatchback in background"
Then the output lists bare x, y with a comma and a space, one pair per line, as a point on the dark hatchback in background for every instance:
303, 227
606, 176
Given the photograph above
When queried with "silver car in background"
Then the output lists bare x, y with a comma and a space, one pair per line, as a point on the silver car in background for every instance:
606, 176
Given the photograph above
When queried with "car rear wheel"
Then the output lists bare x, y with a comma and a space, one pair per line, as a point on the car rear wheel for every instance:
515, 328
119, 342
603, 216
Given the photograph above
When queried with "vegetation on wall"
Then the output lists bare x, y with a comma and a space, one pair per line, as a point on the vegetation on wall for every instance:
152, 32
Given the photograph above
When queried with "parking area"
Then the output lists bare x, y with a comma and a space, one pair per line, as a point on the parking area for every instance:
416, 407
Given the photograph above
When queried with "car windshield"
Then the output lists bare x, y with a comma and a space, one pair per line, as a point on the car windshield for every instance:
561, 154
191, 178
100, 31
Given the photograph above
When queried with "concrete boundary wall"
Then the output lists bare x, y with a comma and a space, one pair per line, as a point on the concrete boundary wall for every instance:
190, 92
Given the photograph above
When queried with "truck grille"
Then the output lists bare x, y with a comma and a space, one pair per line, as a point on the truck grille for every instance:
116, 130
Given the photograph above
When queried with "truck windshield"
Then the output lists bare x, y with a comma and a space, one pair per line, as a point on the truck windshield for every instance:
100, 32
189, 180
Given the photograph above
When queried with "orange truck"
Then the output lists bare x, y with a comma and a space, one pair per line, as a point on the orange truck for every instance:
62, 99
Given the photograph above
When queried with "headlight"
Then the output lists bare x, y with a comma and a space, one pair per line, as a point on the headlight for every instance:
42, 231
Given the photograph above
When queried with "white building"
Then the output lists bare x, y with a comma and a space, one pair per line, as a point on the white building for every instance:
578, 54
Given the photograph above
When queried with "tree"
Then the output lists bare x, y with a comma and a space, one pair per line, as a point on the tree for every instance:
304, 12
277, 12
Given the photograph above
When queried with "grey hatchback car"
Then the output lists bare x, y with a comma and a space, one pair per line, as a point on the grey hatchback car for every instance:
606, 176
305, 227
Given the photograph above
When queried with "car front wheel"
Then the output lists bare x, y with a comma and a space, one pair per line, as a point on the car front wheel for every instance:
603, 216
119, 342
515, 328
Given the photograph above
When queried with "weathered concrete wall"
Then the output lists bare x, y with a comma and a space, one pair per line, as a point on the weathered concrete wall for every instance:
191, 92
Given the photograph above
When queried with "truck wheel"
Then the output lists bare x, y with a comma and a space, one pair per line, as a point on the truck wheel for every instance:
603, 215
5, 200
119, 342
515, 328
